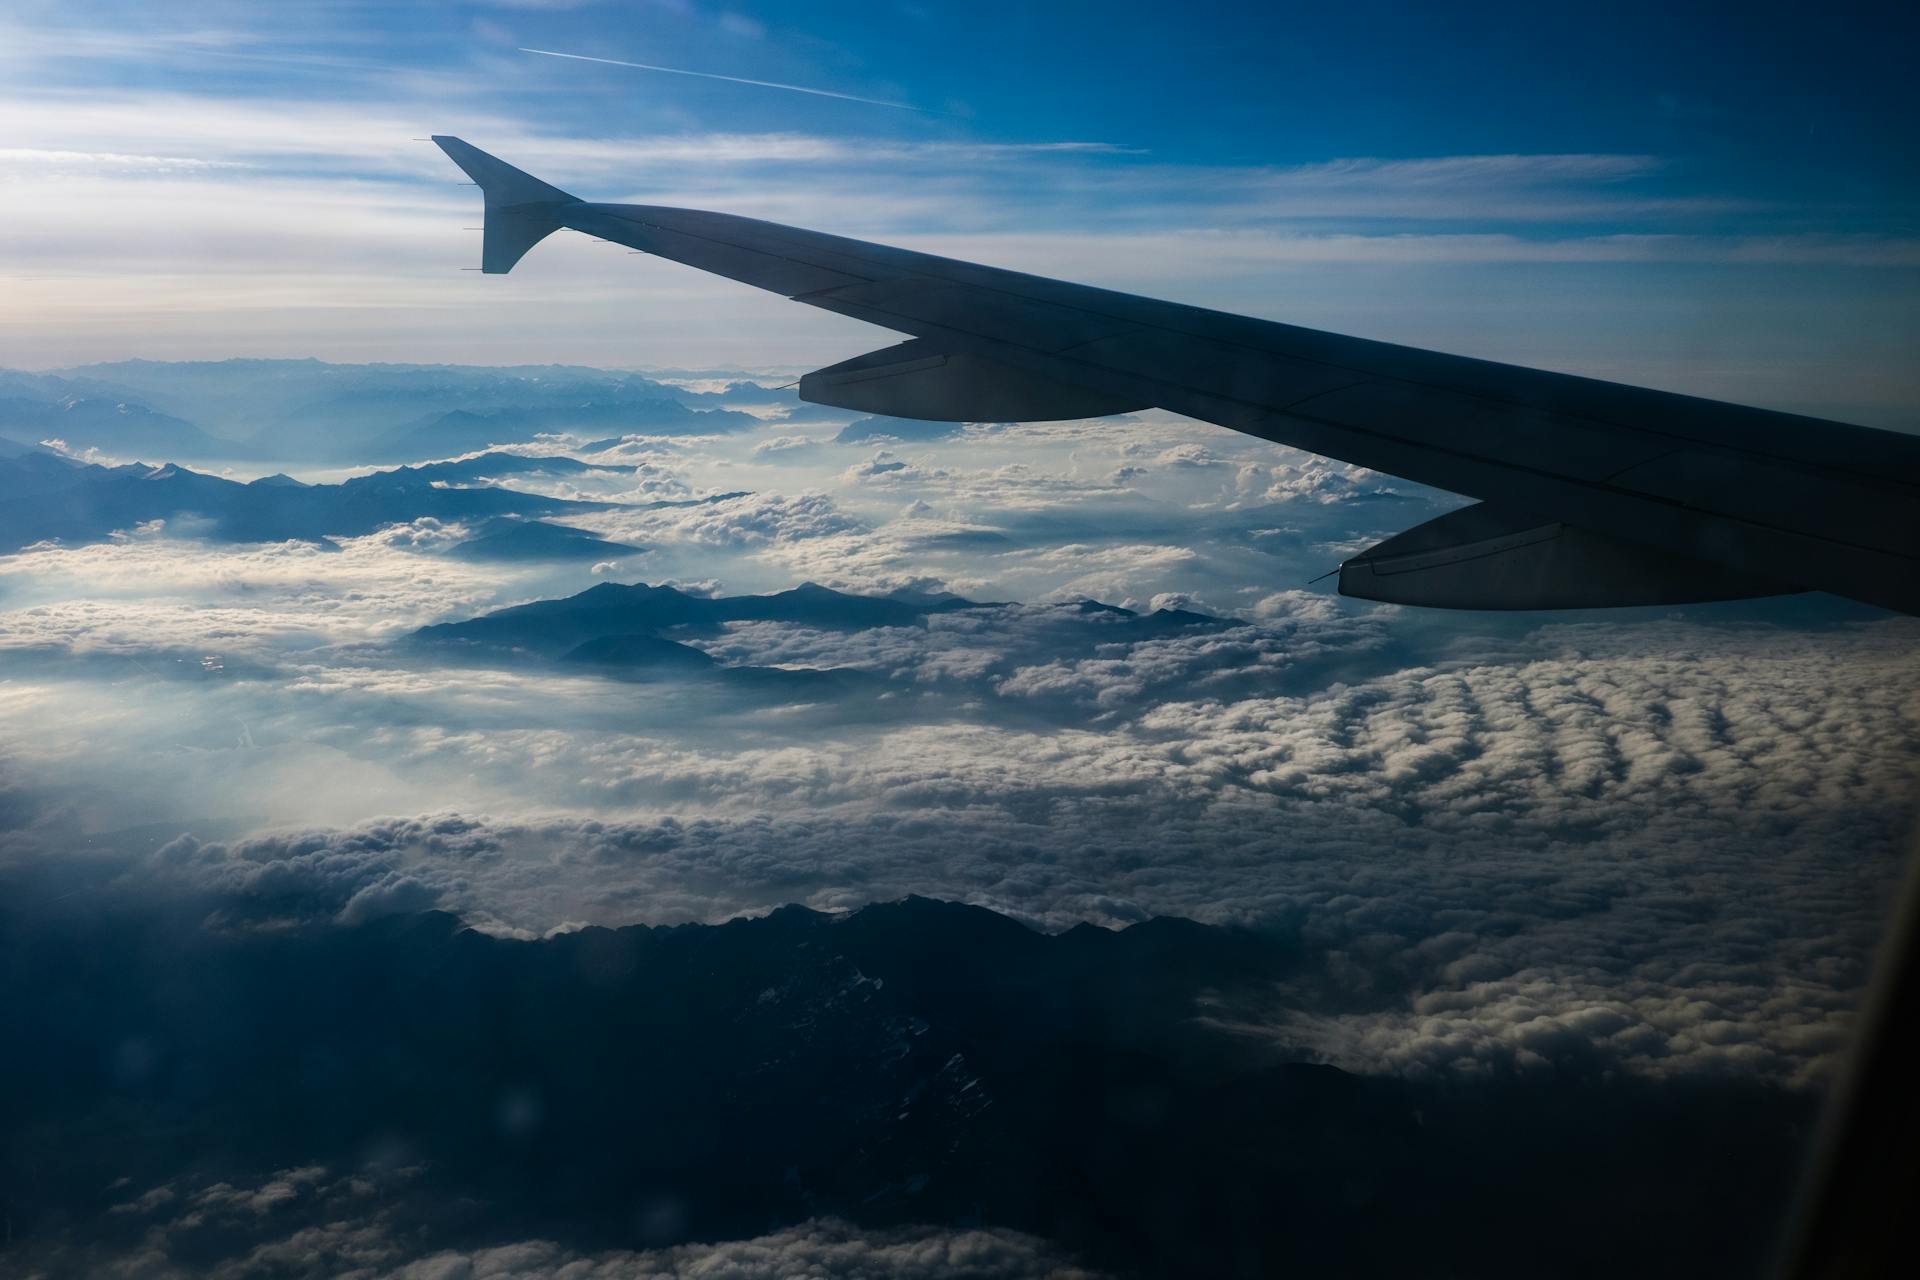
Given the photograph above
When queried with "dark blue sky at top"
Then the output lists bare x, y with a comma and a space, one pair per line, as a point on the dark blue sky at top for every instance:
1784, 101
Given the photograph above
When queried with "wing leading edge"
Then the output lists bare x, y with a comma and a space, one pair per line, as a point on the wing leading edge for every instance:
1592, 493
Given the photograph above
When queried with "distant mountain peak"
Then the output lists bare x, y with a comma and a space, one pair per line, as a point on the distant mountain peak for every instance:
627, 591
58, 498
552, 628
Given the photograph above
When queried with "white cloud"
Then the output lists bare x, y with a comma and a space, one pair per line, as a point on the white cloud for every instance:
1663, 846
752, 520
822, 1248
153, 593
784, 444
14, 160
313, 1221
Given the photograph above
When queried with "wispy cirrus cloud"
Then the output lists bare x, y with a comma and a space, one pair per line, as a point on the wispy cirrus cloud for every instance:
15, 160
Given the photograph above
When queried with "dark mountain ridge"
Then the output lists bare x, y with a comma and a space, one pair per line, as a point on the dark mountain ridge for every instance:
552, 627
492, 465
520, 539
916, 1061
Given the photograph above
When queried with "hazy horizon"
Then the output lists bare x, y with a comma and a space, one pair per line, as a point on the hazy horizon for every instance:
217, 182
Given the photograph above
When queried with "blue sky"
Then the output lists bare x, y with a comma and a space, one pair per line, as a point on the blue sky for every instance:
1722, 200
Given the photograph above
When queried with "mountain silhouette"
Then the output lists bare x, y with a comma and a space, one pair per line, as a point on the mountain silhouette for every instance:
48, 497
915, 1061
552, 627
595, 628
493, 465
111, 426
632, 653
513, 538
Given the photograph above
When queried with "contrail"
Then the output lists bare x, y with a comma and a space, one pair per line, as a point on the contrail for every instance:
708, 75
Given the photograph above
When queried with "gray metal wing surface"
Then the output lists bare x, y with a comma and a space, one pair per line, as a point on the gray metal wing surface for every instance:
1591, 493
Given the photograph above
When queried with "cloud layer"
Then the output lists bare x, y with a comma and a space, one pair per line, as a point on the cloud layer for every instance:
1662, 843
317, 1222
1674, 859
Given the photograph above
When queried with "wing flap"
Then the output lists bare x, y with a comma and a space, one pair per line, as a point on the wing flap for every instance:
917, 380
1490, 557
908, 304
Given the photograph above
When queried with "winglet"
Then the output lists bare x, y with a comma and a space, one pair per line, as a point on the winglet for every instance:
520, 207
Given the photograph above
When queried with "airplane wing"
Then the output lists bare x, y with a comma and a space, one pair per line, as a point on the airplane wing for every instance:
1591, 493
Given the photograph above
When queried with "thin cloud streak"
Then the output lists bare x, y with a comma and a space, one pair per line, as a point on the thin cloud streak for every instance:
709, 75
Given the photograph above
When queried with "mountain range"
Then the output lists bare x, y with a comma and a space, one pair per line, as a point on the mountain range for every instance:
491, 466
308, 410
112, 426
913, 1061
516, 538
642, 632
553, 628
53, 498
